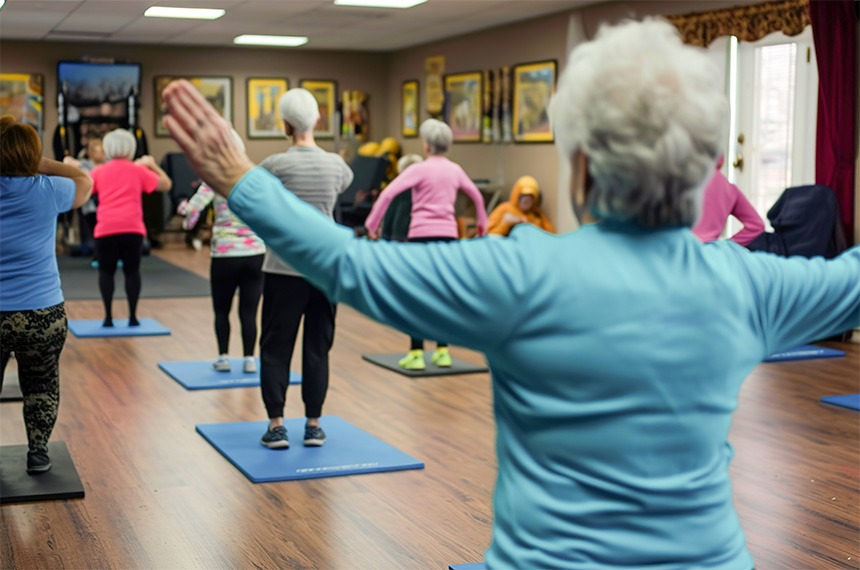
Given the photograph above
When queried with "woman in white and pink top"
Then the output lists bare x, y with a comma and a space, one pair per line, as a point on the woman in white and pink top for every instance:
434, 184
237, 263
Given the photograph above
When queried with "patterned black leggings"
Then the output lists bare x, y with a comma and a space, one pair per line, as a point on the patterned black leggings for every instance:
37, 338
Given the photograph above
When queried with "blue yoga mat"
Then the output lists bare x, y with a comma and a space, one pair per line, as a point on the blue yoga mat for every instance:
472, 566
94, 329
199, 375
347, 451
804, 352
850, 401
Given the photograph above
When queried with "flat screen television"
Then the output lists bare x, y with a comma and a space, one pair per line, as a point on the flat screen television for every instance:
98, 92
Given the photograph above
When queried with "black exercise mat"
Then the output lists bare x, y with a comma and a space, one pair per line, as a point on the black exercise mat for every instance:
80, 281
390, 361
16, 485
11, 389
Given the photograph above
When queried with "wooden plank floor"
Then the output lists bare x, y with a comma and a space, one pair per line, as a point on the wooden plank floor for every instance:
158, 496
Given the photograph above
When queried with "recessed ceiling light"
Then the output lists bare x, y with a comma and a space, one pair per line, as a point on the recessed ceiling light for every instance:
1, 3
380, 3
186, 13
283, 41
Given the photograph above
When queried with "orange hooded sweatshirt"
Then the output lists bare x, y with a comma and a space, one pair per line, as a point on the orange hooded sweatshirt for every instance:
526, 185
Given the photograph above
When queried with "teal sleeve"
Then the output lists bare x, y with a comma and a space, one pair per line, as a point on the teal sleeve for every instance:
801, 300
463, 292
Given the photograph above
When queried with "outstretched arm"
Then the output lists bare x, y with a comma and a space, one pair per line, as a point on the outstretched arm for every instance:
753, 225
196, 205
396, 187
472, 191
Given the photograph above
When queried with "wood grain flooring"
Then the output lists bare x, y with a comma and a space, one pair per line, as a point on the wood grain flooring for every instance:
159, 496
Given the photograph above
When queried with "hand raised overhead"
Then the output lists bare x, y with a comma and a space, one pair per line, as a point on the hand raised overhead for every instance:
205, 137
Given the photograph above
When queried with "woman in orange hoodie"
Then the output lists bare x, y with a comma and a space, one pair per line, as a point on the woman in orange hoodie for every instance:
522, 207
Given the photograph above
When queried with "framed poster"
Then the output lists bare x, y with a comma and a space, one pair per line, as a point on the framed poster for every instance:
409, 109
22, 96
217, 90
463, 109
534, 84
264, 119
325, 92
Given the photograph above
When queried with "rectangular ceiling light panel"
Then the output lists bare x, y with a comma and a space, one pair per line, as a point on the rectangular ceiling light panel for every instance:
282, 41
380, 3
185, 13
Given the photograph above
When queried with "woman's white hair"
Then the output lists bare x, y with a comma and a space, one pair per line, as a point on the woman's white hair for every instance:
650, 116
119, 143
299, 108
437, 135
408, 160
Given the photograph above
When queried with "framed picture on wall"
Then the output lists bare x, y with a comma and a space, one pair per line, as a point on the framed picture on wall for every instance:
409, 109
325, 92
217, 90
534, 84
22, 96
264, 119
463, 110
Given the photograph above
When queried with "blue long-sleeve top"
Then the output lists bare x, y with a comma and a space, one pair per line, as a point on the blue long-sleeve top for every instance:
616, 353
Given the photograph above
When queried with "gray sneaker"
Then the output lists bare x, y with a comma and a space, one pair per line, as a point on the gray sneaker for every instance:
222, 364
314, 436
38, 462
276, 438
249, 365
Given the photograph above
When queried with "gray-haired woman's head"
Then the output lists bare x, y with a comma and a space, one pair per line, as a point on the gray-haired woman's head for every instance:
299, 109
437, 135
119, 143
408, 160
648, 113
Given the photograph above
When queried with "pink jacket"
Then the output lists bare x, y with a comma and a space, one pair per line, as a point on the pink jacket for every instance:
722, 199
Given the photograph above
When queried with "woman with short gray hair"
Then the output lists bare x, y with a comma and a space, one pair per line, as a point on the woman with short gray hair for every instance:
617, 351
434, 184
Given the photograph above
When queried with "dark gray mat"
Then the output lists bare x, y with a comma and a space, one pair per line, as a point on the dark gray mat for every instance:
16, 485
11, 389
390, 361
160, 279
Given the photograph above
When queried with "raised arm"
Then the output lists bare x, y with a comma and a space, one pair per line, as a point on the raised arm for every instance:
472, 191
83, 183
753, 225
196, 205
164, 181
802, 300
403, 182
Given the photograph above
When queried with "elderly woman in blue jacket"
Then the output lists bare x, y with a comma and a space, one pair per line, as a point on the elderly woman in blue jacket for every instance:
617, 351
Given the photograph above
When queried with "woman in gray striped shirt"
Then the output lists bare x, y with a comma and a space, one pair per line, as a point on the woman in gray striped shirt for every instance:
317, 177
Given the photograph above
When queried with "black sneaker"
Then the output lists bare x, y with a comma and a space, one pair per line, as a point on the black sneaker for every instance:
276, 438
38, 462
314, 436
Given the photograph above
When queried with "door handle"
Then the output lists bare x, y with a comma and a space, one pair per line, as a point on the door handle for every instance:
739, 163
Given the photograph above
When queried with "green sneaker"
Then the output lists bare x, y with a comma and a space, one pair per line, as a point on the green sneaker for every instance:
414, 360
442, 358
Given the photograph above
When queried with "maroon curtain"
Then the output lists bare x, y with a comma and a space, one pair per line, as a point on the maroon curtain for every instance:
834, 30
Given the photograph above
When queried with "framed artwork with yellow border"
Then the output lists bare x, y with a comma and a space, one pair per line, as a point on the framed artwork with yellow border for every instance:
217, 90
533, 86
409, 109
264, 119
463, 110
325, 92
22, 96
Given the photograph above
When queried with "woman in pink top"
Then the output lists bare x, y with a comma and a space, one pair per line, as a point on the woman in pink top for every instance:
120, 185
721, 200
434, 184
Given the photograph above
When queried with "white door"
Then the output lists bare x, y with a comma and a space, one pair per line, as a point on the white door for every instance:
772, 145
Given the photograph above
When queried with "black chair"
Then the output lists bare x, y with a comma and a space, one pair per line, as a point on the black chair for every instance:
354, 204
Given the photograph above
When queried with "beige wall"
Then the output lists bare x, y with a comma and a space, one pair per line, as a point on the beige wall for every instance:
352, 70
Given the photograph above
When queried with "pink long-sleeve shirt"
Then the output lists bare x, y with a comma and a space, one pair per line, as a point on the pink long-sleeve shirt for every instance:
722, 199
434, 184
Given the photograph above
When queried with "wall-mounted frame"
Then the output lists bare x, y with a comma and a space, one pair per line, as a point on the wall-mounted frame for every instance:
325, 92
533, 86
216, 89
409, 109
463, 111
22, 95
264, 119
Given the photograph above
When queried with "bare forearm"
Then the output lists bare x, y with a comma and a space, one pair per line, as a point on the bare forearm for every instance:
83, 183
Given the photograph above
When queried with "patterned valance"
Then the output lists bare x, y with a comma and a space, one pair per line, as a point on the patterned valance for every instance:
748, 23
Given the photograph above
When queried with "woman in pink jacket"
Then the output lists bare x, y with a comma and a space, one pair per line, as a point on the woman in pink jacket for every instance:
721, 200
434, 184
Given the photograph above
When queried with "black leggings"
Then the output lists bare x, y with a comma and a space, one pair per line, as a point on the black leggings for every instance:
286, 298
227, 274
109, 250
418, 343
37, 338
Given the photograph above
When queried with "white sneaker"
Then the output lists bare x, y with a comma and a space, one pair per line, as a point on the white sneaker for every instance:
250, 365
222, 364
197, 244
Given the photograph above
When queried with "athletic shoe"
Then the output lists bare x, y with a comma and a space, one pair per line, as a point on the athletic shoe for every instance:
38, 462
250, 365
442, 358
314, 436
222, 364
414, 360
276, 438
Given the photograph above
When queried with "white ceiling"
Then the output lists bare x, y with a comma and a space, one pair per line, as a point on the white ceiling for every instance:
328, 26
